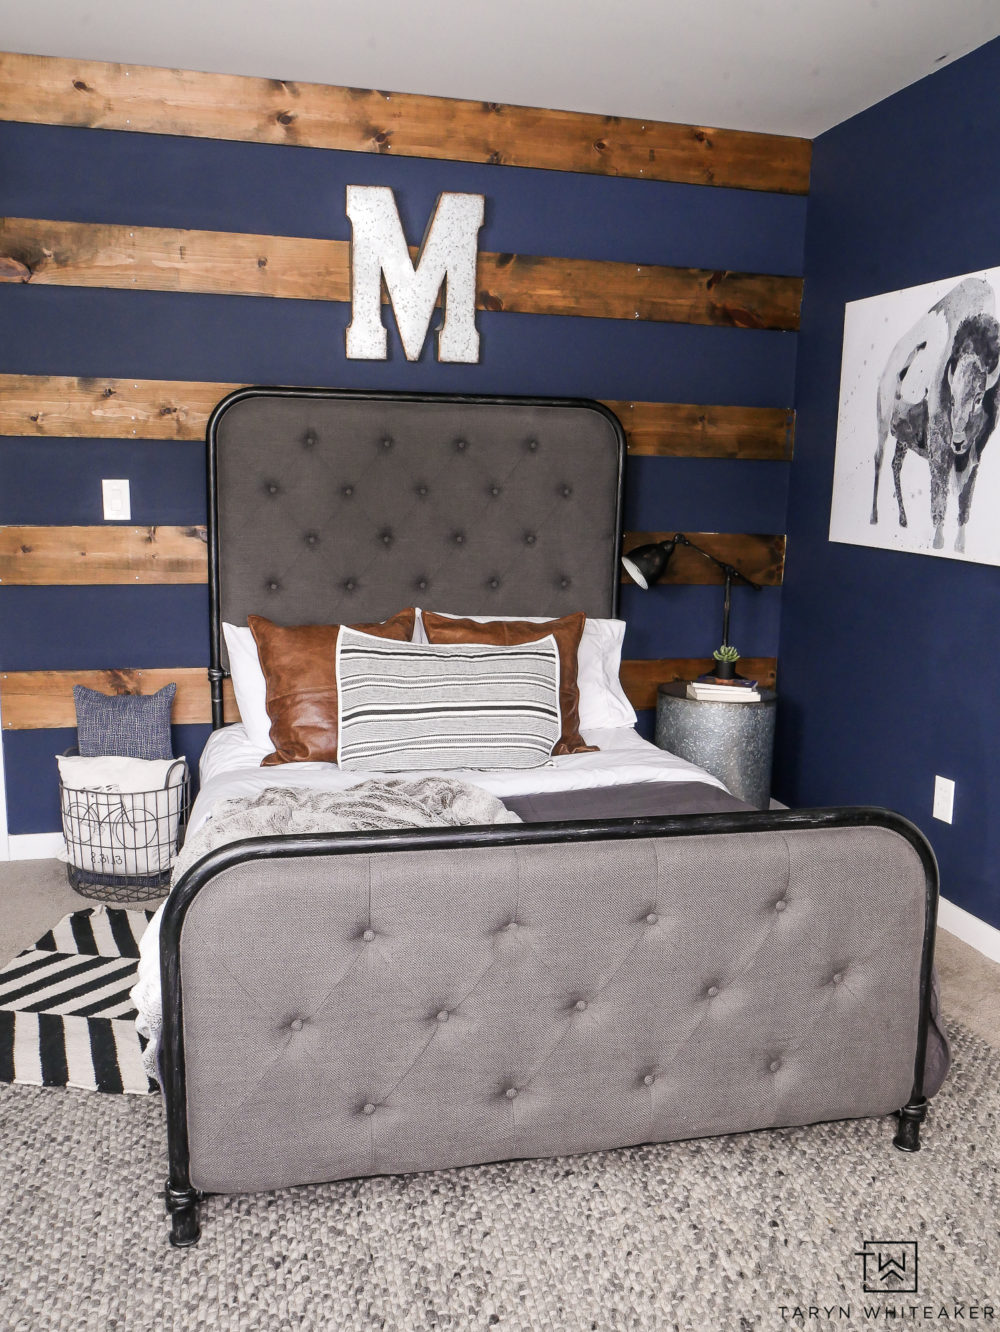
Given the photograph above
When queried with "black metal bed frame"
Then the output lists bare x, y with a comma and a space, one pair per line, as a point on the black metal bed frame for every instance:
181, 1198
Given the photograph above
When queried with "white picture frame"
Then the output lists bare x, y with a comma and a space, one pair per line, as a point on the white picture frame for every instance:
919, 400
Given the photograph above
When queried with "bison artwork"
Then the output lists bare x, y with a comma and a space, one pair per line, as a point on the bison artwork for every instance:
937, 398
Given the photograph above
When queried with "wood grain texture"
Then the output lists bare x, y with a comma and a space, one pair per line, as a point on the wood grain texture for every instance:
685, 430
760, 557
641, 679
36, 405
126, 553
50, 91
72, 407
41, 700
89, 254
103, 554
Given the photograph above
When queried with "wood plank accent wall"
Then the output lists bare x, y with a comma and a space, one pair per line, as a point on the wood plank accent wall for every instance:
63, 406
50, 91
91, 254
40, 700
109, 553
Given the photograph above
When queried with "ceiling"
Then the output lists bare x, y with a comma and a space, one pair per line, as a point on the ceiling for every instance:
783, 66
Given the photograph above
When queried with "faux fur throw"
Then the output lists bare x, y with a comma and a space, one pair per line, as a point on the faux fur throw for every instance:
377, 806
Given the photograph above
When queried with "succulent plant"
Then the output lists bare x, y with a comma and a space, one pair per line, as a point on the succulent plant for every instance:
727, 653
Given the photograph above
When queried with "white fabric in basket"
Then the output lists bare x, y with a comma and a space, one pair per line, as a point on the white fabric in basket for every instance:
121, 815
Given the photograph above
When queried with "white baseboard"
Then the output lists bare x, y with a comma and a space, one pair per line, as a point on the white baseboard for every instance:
964, 925
34, 846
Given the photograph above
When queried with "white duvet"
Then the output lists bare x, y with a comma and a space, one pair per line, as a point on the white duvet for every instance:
230, 767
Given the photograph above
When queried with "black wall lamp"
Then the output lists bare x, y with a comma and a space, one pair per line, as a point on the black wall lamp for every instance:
647, 564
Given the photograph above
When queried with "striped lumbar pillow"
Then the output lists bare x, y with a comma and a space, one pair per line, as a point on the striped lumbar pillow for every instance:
407, 706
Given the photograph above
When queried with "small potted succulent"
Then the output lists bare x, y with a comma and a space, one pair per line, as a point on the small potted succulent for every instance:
726, 658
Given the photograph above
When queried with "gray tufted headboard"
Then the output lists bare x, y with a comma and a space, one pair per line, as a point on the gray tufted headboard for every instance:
331, 506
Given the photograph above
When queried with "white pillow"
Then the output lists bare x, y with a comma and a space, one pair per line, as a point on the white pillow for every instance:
112, 772
603, 703
249, 684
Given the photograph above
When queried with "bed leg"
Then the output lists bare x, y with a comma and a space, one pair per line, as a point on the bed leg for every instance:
911, 1116
182, 1208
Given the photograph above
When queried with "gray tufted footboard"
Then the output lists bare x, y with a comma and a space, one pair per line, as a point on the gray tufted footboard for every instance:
369, 1004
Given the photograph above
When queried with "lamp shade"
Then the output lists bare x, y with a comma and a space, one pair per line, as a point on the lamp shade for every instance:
648, 564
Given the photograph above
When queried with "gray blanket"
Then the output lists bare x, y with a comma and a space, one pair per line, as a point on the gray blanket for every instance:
375, 806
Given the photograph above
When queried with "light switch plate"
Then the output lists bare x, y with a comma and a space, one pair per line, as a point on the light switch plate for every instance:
944, 799
117, 502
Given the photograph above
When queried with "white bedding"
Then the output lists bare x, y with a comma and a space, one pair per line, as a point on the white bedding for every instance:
230, 767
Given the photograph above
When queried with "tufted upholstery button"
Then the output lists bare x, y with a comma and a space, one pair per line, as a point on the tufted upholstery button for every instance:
369, 936
443, 1015
273, 585
312, 538
272, 487
566, 491
775, 1065
564, 582
459, 538
421, 491
310, 439
494, 491
780, 904
652, 918
712, 991
511, 1093
511, 927
348, 491
368, 1109
494, 582
648, 1080
350, 585
461, 445
580, 1005
421, 583
386, 538
532, 445
387, 443
530, 538
296, 1024
838, 976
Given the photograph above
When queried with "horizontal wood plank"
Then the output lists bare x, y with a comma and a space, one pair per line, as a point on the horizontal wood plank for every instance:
760, 557
57, 405
34, 700
686, 430
107, 255
125, 553
43, 700
51, 91
102, 554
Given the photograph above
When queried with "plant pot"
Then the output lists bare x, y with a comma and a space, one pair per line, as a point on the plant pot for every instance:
725, 670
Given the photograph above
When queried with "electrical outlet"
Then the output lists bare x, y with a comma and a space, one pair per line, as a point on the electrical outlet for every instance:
944, 799
117, 502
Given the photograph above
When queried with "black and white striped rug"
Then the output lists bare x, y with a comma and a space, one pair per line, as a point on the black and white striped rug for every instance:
66, 1019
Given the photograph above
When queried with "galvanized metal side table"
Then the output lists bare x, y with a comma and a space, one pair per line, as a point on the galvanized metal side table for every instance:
732, 741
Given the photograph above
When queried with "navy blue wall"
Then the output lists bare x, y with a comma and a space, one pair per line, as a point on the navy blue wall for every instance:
103, 176
887, 658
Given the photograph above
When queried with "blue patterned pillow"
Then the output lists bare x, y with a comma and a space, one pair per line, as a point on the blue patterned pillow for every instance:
133, 725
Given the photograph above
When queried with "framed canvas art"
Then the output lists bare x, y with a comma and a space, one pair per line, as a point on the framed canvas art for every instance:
917, 467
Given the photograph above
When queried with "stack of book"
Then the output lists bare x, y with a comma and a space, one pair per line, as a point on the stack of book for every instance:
710, 689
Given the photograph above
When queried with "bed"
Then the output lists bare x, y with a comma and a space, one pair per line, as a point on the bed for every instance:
642, 959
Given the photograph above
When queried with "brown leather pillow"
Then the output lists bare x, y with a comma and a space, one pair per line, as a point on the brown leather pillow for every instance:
299, 665
509, 633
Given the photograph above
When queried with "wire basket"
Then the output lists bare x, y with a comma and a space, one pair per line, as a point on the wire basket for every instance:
121, 846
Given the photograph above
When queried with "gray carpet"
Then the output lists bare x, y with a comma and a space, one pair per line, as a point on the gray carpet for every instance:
708, 1235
